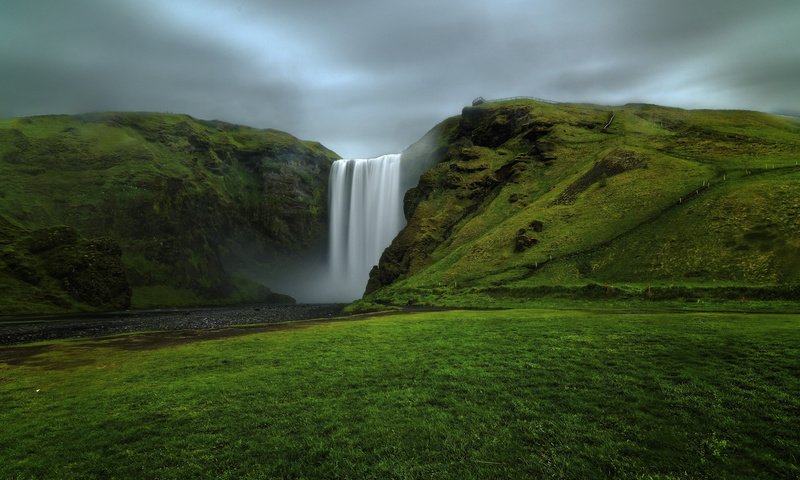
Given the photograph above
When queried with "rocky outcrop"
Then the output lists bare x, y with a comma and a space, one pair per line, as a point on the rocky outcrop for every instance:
492, 128
90, 271
525, 238
457, 151
61, 268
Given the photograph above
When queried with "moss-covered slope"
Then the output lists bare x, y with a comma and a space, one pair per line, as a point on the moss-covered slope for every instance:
526, 195
186, 207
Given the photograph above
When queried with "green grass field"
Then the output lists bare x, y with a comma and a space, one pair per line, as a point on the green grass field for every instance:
524, 393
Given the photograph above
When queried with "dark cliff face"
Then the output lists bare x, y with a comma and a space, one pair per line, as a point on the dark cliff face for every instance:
462, 179
526, 194
192, 206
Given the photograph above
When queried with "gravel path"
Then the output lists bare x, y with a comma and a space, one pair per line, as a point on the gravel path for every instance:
32, 329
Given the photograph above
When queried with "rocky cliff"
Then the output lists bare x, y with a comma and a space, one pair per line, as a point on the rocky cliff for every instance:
150, 210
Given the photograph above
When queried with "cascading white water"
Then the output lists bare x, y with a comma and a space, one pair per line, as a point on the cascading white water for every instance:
366, 213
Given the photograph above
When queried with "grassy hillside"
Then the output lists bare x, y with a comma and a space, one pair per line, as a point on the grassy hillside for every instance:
184, 207
461, 395
527, 195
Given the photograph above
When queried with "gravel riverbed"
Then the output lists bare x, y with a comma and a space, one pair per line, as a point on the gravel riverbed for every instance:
14, 330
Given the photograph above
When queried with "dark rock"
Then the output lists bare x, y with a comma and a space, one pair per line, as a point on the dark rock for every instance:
523, 241
453, 180
91, 272
543, 151
537, 130
464, 154
412, 199
491, 127
21, 270
537, 226
460, 168
375, 280
406, 253
395, 261
511, 171
484, 183
48, 238
451, 144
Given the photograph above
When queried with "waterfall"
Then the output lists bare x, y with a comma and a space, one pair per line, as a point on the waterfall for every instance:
366, 213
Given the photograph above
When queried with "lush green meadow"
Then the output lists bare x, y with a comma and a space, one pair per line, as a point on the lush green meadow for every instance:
520, 393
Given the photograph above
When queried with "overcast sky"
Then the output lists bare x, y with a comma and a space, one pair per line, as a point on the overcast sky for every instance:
371, 77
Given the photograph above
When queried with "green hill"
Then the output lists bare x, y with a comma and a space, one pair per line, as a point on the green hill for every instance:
528, 198
106, 211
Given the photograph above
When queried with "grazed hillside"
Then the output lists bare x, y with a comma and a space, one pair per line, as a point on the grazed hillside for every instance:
526, 196
106, 211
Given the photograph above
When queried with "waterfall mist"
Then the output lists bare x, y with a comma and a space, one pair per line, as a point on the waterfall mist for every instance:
365, 203
366, 213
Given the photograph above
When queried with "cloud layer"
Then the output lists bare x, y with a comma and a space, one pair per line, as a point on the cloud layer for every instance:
368, 77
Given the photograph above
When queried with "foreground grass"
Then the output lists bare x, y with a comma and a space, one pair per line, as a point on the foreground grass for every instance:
500, 394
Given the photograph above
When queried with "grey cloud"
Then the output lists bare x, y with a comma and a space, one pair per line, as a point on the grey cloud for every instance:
367, 77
